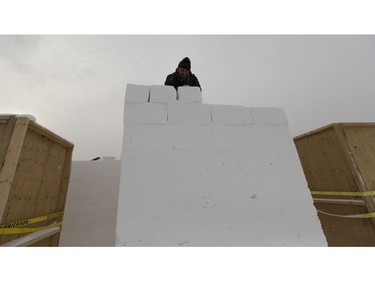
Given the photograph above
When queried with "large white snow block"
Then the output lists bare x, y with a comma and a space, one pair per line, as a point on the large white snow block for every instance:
231, 115
148, 113
189, 94
161, 93
91, 204
269, 116
213, 185
189, 113
137, 93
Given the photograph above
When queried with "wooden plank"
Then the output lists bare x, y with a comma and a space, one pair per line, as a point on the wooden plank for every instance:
330, 126
28, 179
5, 118
346, 231
324, 163
361, 142
63, 190
6, 130
315, 132
32, 238
355, 170
339, 201
10, 162
47, 133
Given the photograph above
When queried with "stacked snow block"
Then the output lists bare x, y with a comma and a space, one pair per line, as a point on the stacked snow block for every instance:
195, 174
159, 104
189, 94
160, 93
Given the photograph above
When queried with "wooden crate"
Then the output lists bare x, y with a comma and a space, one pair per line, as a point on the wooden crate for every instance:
339, 164
34, 176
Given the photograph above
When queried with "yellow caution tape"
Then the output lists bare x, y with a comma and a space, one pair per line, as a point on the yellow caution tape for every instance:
344, 193
357, 216
347, 193
19, 230
31, 221
15, 227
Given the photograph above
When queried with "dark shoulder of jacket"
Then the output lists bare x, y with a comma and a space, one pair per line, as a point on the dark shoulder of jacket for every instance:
169, 79
194, 77
195, 80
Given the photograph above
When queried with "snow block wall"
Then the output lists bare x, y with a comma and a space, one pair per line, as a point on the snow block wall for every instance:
91, 204
195, 174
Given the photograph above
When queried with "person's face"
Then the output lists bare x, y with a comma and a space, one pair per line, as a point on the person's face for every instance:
183, 73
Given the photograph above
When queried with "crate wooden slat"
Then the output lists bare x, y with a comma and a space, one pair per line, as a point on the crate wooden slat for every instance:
34, 175
341, 157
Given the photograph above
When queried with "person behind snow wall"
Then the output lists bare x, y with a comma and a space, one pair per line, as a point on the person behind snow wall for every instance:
183, 76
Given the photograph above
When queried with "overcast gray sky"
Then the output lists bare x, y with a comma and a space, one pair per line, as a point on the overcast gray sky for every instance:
75, 85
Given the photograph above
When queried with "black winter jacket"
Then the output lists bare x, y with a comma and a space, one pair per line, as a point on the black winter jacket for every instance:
173, 80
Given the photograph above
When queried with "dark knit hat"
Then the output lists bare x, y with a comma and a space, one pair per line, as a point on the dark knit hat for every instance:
185, 63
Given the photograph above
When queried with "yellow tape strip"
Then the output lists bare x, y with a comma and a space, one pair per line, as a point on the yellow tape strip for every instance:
31, 221
357, 216
344, 193
18, 230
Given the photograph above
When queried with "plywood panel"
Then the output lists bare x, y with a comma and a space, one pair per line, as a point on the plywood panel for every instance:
6, 130
341, 157
36, 185
8, 170
324, 162
361, 140
40, 181
341, 231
